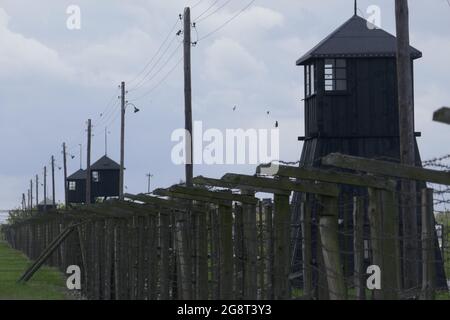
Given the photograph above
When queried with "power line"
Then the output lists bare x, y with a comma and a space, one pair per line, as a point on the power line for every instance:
214, 12
228, 21
160, 82
165, 64
149, 74
207, 9
156, 54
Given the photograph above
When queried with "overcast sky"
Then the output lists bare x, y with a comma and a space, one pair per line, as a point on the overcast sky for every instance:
53, 79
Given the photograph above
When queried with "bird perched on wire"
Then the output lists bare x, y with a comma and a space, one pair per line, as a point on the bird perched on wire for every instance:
276, 124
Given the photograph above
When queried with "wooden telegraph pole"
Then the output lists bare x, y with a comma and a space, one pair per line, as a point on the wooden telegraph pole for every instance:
37, 190
188, 96
31, 194
45, 188
53, 181
149, 176
65, 175
407, 145
122, 139
88, 164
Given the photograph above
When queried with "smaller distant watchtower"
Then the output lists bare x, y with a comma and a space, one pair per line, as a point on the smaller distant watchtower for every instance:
76, 185
104, 181
105, 178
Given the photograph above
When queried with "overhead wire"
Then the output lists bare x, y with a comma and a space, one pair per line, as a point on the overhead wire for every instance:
227, 21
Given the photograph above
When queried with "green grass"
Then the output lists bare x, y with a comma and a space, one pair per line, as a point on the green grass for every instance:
46, 284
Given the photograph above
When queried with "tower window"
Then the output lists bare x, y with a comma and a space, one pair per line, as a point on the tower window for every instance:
335, 75
72, 185
310, 80
95, 176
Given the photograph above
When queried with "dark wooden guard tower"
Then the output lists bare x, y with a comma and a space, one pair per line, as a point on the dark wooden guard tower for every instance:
104, 181
76, 186
351, 107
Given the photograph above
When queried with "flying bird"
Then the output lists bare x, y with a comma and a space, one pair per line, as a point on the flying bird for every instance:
234, 108
276, 124
268, 112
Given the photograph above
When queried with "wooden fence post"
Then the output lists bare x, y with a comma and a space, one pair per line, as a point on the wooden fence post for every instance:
282, 228
358, 247
384, 235
328, 226
269, 248
164, 221
226, 251
428, 250
215, 254
239, 251
184, 255
202, 256
250, 248
306, 225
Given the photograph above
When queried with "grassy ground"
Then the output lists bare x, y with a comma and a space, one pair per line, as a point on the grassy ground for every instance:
46, 284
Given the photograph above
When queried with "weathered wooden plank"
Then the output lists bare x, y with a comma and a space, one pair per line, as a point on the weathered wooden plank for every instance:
334, 177
328, 226
279, 185
386, 168
442, 115
219, 195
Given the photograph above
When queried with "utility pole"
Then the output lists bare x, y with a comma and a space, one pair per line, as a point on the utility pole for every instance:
23, 202
37, 191
65, 174
28, 199
81, 156
149, 176
88, 165
407, 146
122, 139
53, 182
106, 141
31, 194
45, 189
188, 96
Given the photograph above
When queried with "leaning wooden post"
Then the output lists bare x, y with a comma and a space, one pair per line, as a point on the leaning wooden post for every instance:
428, 265
226, 251
250, 249
282, 228
358, 247
328, 228
307, 247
